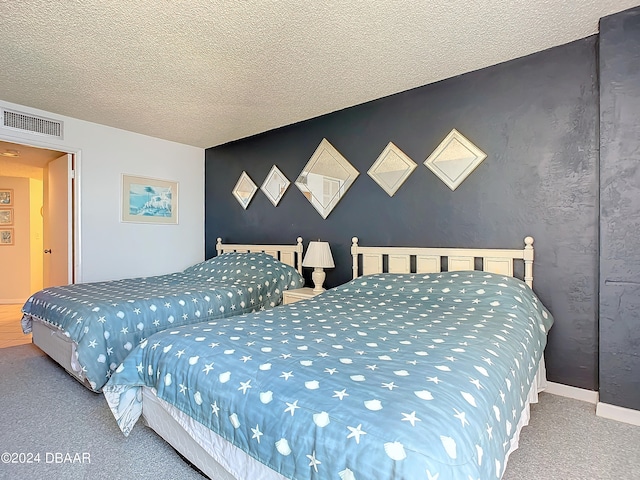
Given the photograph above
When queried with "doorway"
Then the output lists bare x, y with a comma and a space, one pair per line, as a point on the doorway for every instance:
46, 229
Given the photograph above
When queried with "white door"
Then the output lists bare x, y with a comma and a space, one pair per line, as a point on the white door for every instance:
57, 222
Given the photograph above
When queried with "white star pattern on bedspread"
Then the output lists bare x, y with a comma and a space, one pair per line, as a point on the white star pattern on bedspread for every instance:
403, 376
106, 320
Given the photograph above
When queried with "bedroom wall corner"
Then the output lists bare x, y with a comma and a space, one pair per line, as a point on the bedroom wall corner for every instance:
619, 310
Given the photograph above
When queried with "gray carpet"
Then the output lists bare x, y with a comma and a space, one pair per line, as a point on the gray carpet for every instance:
43, 410
565, 440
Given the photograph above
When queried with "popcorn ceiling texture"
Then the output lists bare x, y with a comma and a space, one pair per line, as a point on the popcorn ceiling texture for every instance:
205, 73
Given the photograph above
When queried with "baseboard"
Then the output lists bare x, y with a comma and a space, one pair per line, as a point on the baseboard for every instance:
604, 410
620, 414
572, 392
12, 301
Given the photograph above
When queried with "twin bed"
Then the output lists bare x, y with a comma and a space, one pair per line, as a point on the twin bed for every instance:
90, 328
422, 366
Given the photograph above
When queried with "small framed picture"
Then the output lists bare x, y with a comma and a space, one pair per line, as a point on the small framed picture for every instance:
6, 236
6, 216
6, 197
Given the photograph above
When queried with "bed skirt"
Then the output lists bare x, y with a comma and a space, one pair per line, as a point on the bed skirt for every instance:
217, 458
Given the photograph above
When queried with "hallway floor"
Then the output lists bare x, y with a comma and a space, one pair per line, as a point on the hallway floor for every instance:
10, 328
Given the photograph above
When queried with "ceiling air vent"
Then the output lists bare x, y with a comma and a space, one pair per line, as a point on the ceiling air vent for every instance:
31, 123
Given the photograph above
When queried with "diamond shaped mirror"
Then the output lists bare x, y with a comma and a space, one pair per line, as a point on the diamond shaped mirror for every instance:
244, 190
391, 169
326, 178
275, 185
454, 159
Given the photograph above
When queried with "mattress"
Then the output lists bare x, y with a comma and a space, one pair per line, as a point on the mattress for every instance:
106, 320
59, 347
385, 376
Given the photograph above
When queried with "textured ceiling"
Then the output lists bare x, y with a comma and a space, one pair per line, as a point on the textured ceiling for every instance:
205, 72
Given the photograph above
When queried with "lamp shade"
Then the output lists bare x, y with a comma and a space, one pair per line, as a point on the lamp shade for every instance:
318, 255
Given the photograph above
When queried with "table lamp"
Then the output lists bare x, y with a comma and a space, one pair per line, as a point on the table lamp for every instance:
319, 257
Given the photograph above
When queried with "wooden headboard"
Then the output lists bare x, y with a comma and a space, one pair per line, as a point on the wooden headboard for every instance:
289, 254
431, 260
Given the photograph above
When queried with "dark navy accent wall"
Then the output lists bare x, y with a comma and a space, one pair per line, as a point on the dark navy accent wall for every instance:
536, 118
620, 209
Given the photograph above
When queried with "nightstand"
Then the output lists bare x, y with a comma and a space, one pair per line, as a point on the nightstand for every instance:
291, 296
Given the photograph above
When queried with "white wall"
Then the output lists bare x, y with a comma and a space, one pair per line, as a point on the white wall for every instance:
109, 249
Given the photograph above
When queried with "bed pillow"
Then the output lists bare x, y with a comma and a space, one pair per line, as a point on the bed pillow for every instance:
234, 266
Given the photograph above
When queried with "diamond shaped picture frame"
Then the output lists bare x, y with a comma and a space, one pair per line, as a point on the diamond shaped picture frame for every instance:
454, 159
326, 178
275, 185
244, 190
391, 169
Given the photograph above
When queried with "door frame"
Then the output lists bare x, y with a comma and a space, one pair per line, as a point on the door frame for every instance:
75, 227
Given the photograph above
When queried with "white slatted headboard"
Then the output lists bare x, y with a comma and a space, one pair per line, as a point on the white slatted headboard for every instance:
430, 260
289, 254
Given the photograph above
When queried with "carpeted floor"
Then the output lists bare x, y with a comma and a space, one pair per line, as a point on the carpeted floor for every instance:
565, 440
44, 411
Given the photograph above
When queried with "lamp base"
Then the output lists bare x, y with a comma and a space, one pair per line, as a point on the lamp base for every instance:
318, 277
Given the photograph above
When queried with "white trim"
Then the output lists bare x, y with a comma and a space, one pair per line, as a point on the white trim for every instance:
77, 215
604, 410
12, 301
572, 392
620, 414
70, 219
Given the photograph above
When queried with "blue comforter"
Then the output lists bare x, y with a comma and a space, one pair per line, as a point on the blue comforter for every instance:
107, 320
388, 376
